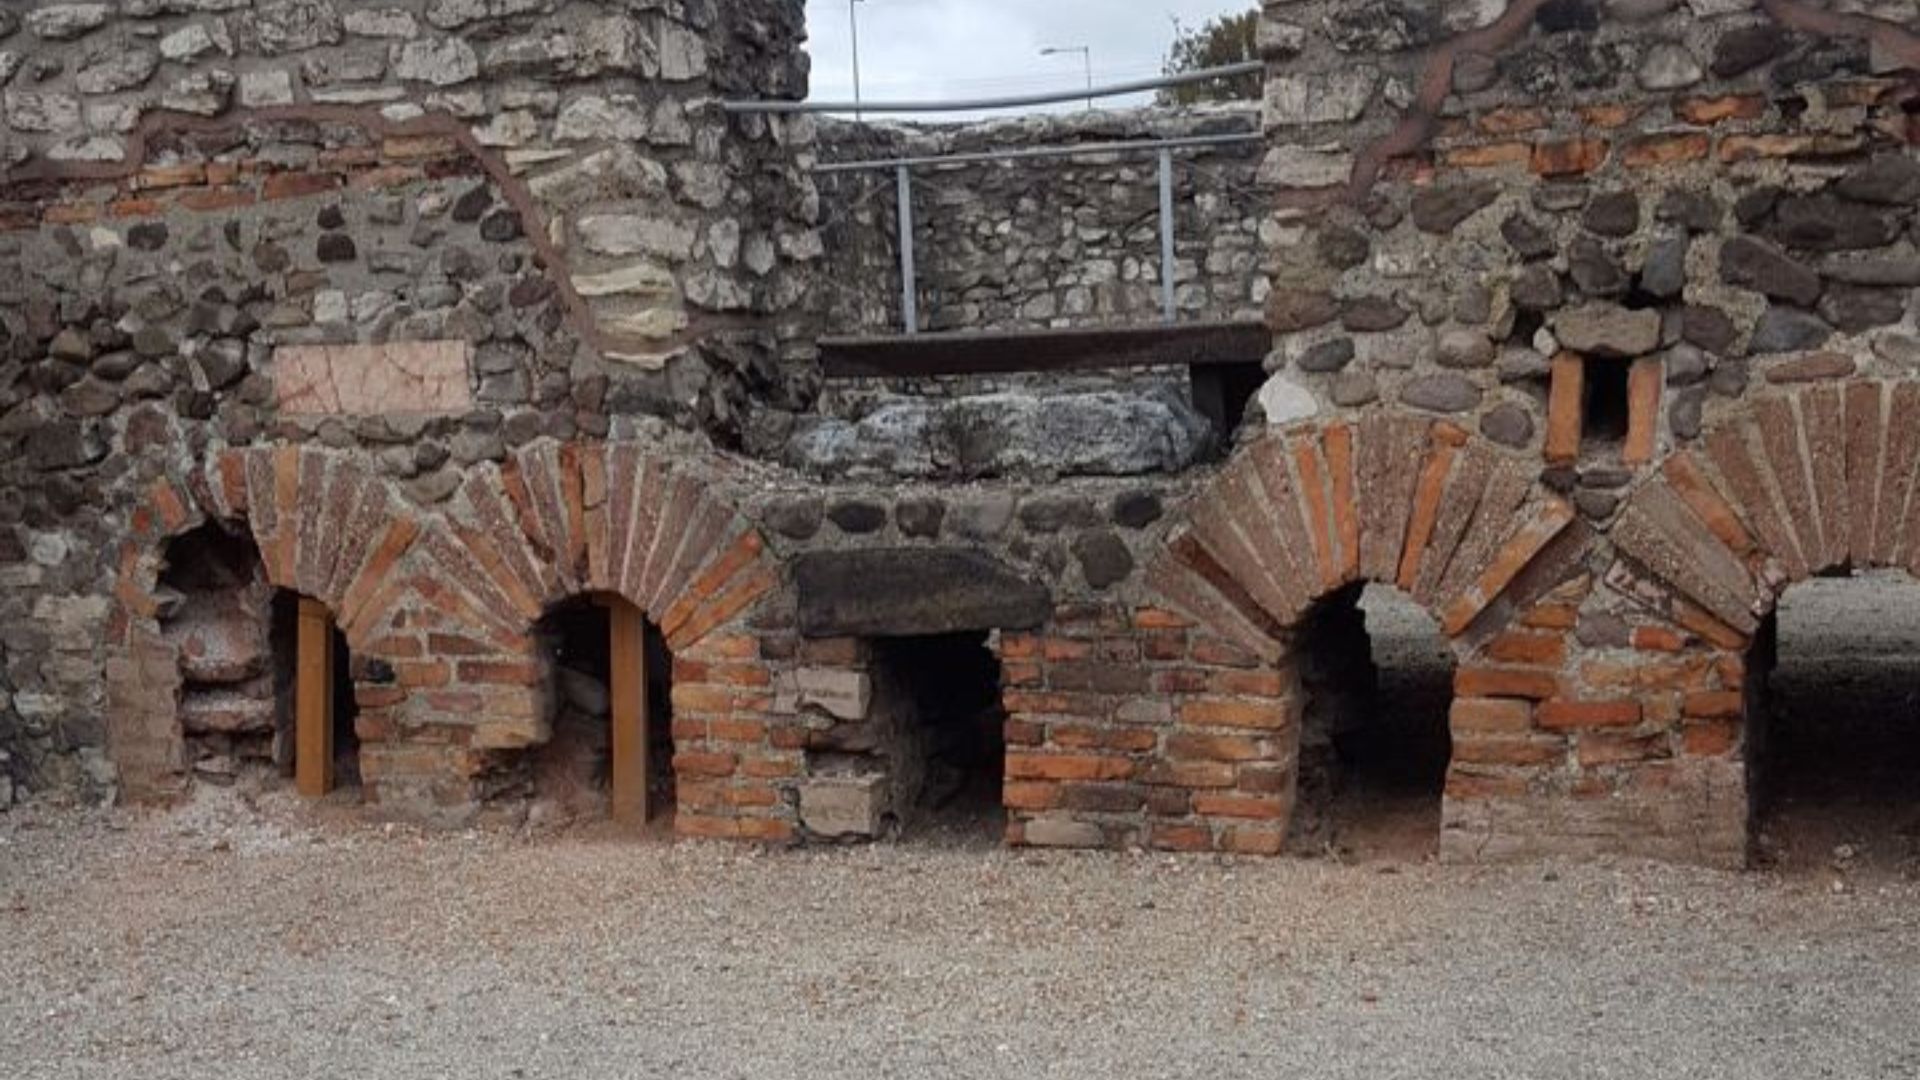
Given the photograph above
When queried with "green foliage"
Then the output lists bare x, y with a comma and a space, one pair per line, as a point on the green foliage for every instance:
1229, 39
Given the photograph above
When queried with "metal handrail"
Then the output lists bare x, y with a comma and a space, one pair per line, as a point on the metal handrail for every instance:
903, 184
1250, 67
1031, 153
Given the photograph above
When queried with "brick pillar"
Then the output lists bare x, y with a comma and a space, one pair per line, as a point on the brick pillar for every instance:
1138, 728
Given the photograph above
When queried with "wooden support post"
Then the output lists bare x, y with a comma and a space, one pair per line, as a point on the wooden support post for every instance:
628, 688
313, 701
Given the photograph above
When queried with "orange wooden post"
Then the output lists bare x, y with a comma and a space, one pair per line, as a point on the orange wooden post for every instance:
628, 689
313, 701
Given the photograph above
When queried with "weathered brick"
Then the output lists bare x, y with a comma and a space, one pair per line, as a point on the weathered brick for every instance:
1597, 750
1188, 746
1653, 151
1532, 649
1715, 705
1713, 110
1253, 807
1490, 716
1234, 713
1561, 715
1022, 765
1492, 682
1570, 157
1566, 401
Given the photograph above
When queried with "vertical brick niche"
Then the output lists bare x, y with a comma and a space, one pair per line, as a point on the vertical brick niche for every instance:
1584, 388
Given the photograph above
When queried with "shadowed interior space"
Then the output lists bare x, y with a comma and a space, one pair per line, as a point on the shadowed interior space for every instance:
1834, 726
1378, 676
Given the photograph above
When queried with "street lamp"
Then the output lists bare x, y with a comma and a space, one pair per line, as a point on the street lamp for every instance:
853, 18
1086, 57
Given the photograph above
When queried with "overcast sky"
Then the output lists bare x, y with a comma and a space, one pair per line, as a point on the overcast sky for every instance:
919, 49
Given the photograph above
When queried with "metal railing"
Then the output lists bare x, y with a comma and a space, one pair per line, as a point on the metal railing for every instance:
1250, 67
903, 167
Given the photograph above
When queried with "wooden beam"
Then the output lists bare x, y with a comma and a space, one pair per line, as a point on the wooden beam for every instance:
628, 689
313, 701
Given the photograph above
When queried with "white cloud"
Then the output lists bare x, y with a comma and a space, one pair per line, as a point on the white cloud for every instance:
915, 50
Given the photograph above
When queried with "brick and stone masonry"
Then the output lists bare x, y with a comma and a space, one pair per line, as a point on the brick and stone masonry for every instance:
1593, 331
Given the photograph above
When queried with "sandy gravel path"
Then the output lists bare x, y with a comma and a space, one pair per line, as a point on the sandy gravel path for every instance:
227, 941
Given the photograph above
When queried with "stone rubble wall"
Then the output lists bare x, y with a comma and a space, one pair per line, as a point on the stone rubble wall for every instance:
425, 235
1042, 243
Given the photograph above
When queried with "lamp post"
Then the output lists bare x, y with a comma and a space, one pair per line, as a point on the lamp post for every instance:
853, 19
1086, 57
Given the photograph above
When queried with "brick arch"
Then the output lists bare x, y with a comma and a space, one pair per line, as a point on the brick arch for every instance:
444, 599
559, 521
1793, 484
325, 528
1393, 498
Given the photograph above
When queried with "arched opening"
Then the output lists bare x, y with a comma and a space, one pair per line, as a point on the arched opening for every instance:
916, 745
609, 696
1833, 718
265, 679
1374, 744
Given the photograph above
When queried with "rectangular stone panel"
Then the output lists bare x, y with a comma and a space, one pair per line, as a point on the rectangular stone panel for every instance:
372, 380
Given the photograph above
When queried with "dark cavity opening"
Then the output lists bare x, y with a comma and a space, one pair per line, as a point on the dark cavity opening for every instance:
1378, 676
217, 611
1605, 410
1833, 721
571, 775
929, 757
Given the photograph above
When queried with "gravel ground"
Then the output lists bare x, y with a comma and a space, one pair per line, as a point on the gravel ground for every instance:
248, 939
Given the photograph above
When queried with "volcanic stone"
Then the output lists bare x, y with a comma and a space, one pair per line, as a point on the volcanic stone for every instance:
909, 592
858, 517
1757, 265
1613, 214
1104, 559
1444, 393
1608, 330
1853, 308
1893, 180
1684, 416
1292, 310
1787, 330
1665, 274
1825, 223
1527, 239
1327, 357
1741, 50
1537, 289
1440, 210
1137, 509
1594, 271
1696, 211
1372, 314
337, 248
1709, 328
920, 517
1508, 424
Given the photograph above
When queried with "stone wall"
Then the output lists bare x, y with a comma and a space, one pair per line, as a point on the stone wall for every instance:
423, 237
1042, 243
1635, 257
